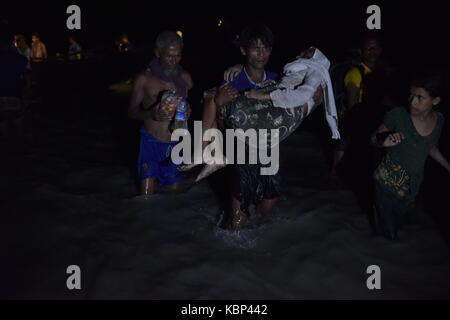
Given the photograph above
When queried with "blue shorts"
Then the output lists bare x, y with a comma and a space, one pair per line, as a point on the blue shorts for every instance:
155, 162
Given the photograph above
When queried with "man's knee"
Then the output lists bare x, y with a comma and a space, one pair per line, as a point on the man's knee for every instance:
265, 207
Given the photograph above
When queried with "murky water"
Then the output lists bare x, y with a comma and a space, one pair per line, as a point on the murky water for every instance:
69, 198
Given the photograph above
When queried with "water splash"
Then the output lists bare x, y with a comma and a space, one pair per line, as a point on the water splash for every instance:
243, 239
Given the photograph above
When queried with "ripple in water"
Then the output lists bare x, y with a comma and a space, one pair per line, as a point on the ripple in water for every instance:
244, 239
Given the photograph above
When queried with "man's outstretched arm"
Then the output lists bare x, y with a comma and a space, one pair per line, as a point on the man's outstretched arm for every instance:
186, 76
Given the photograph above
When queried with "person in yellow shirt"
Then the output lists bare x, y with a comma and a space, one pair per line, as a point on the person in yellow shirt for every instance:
353, 82
356, 90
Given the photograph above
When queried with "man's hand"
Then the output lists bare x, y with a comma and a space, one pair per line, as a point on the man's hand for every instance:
166, 110
232, 72
255, 94
225, 94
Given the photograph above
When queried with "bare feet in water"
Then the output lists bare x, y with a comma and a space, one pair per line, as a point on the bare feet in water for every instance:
238, 220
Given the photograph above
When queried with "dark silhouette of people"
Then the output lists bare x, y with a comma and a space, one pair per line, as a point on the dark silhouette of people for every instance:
13, 66
38, 49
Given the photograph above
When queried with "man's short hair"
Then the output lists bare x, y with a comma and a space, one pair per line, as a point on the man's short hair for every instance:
252, 33
168, 38
372, 35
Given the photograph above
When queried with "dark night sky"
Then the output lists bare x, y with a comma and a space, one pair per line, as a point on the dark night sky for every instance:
411, 28
413, 31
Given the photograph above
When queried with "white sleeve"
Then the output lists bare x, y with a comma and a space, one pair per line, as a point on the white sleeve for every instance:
290, 98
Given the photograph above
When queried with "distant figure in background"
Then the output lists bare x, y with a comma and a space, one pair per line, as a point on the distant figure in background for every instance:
409, 136
38, 49
13, 69
38, 57
123, 44
22, 46
164, 73
365, 91
75, 50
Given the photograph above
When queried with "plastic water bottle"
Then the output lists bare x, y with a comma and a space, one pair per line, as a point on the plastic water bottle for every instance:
170, 101
180, 121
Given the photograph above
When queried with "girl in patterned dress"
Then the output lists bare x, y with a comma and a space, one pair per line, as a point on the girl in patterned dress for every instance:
408, 136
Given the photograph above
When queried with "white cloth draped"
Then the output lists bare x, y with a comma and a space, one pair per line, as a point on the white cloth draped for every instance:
301, 79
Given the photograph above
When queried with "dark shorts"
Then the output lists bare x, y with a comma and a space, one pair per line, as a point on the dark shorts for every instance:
155, 160
11, 108
248, 186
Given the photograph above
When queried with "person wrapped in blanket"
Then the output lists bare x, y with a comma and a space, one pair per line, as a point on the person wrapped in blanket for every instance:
273, 105
279, 105
408, 136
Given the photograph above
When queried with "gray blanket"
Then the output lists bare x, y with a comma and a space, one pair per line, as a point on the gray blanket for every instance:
245, 113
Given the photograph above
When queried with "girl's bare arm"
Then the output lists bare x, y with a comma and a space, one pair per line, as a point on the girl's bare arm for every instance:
437, 155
